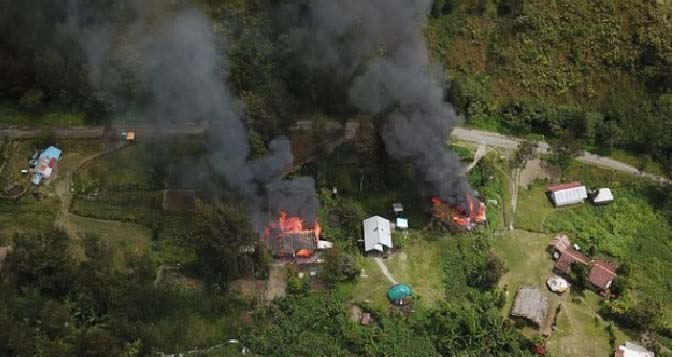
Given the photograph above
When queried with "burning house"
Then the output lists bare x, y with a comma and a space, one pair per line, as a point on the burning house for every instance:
290, 237
456, 217
292, 229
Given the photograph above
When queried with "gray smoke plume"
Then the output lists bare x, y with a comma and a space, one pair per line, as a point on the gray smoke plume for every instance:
168, 58
378, 46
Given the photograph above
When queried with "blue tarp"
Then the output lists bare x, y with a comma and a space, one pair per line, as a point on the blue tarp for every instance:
51, 152
398, 292
37, 178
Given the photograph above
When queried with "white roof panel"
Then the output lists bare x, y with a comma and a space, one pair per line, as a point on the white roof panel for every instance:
604, 195
376, 232
569, 196
402, 222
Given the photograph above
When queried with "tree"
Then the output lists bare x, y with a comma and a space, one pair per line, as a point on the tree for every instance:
578, 273
222, 236
563, 151
41, 261
526, 151
487, 272
339, 266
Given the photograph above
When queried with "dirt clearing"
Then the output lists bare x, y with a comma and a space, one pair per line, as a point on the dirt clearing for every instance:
537, 169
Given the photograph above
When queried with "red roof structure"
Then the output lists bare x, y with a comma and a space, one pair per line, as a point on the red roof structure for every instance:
52, 163
601, 275
567, 258
563, 186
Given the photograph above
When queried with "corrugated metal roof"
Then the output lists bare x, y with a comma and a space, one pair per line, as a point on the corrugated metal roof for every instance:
531, 304
604, 195
569, 196
377, 233
51, 152
601, 274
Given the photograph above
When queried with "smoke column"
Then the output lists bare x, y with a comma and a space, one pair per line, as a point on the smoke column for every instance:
377, 46
170, 54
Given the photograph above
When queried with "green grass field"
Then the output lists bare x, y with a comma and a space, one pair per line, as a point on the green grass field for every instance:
532, 209
420, 264
126, 169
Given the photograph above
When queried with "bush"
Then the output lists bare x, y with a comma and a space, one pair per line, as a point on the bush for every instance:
32, 98
339, 266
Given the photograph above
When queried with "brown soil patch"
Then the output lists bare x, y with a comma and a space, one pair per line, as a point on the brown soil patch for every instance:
537, 169
179, 200
249, 288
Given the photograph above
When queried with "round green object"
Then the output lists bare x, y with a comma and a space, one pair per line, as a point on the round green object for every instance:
397, 293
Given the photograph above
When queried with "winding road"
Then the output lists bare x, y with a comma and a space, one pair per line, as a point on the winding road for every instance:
507, 142
484, 138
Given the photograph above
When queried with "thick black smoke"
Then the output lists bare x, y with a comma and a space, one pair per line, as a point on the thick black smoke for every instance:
169, 55
378, 46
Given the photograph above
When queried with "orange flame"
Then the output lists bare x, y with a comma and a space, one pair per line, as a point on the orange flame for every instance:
292, 224
285, 225
465, 217
317, 231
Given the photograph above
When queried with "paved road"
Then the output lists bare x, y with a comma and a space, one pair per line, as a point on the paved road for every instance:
478, 136
506, 142
97, 131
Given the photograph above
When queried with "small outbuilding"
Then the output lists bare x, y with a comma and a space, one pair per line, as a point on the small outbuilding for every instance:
530, 304
567, 194
557, 284
601, 196
398, 208
377, 234
630, 349
324, 244
401, 223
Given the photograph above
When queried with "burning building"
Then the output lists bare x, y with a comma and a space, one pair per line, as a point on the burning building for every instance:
458, 217
290, 237
292, 229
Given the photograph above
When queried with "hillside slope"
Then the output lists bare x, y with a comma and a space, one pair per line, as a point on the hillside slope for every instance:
597, 71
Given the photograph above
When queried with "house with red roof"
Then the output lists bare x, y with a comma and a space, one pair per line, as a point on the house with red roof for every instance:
563, 266
601, 276
601, 273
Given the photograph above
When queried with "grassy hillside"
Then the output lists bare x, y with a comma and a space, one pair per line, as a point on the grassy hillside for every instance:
598, 70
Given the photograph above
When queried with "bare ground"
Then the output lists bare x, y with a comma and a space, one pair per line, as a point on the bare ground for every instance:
276, 284
537, 169
385, 271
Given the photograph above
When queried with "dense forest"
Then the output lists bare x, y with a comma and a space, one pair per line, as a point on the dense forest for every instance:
596, 73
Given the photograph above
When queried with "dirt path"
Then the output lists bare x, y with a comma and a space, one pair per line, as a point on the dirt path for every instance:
97, 131
515, 177
276, 283
506, 142
384, 270
480, 152
64, 219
